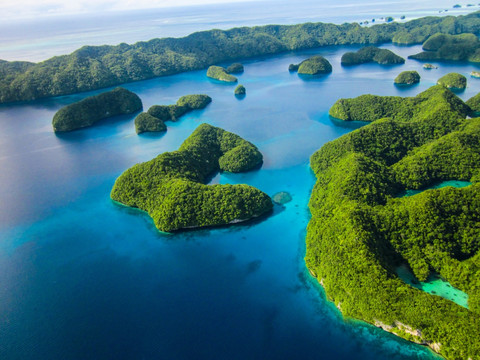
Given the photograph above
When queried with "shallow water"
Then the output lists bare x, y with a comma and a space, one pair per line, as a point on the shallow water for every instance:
453, 183
434, 285
84, 278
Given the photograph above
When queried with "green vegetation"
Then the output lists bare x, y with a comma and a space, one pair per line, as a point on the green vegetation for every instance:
171, 187
462, 47
429, 66
95, 67
145, 122
436, 100
293, 67
235, 68
314, 66
240, 90
475, 74
371, 54
219, 73
360, 232
453, 81
88, 111
474, 104
407, 78
154, 119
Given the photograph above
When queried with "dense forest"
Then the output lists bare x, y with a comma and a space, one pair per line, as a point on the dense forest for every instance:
361, 231
462, 47
95, 67
171, 187
92, 109
371, 54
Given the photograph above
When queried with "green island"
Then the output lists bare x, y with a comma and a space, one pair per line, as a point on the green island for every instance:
371, 54
92, 109
407, 78
154, 119
171, 187
361, 231
314, 65
235, 68
240, 90
219, 73
453, 81
95, 67
475, 74
429, 66
446, 47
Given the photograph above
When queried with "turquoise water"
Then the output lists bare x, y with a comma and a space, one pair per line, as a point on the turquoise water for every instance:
453, 183
434, 285
84, 278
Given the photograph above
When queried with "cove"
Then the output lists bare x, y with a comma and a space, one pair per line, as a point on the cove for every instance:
434, 285
454, 183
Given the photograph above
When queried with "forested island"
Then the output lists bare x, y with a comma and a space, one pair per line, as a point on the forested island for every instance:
154, 119
314, 65
221, 74
361, 231
92, 109
371, 54
453, 81
445, 47
95, 67
407, 78
171, 187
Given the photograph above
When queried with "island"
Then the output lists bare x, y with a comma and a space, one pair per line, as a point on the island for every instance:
314, 65
95, 67
475, 74
154, 119
407, 78
445, 47
235, 68
240, 90
219, 73
361, 230
371, 54
453, 81
92, 109
144, 122
429, 66
172, 188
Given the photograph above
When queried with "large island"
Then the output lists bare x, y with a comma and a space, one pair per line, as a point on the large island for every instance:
92, 109
171, 187
95, 67
361, 230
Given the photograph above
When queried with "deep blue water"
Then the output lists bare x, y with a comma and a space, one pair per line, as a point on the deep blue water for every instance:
83, 278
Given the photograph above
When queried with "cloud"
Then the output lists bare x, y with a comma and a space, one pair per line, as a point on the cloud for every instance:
16, 9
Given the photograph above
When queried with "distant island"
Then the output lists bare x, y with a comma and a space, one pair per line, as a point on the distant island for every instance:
453, 81
221, 74
314, 65
407, 78
95, 67
361, 230
171, 187
371, 54
154, 119
240, 90
445, 47
92, 109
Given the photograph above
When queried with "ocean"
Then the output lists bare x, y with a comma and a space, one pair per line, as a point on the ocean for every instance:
83, 278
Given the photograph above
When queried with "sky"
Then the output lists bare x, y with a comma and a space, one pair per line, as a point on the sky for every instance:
17, 9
